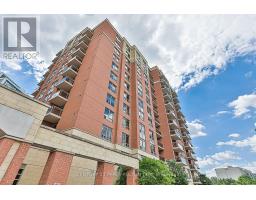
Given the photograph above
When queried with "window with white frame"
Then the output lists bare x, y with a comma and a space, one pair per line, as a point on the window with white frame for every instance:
140, 90
141, 109
126, 123
125, 139
113, 76
142, 137
126, 109
106, 133
112, 87
108, 114
110, 100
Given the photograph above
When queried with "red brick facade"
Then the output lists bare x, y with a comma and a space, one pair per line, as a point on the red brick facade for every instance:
104, 174
15, 164
56, 169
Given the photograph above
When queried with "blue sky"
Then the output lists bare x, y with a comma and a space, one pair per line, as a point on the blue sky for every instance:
209, 59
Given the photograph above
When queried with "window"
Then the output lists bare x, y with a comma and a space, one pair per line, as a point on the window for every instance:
140, 90
126, 97
141, 109
127, 86
126, 76
115, 58
110, 100
142, 137
126, 123
114, 66
152, 142
125, 140
116, 51
126, 109
113, 76
112, 87
127, 68
19, 174
108, 114
106, 133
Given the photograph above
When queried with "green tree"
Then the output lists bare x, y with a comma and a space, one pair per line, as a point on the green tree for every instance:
179, 174
204, 179
246, 180
154, 172
122, 175
224, 181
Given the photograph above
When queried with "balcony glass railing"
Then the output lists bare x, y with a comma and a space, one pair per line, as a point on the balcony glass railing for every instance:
61, 93
70, 80
55, 110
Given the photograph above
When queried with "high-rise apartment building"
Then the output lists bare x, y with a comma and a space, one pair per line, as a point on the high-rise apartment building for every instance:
174, 141
107, 107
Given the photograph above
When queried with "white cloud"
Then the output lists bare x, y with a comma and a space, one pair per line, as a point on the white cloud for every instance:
217, 158
234, 135
11, 64
223, 112
248, 142
196, 128
243, 104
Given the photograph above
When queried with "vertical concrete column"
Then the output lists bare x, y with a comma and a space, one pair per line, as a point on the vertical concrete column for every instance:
104, 174
132, 177
57, 168
5, 146
15, 164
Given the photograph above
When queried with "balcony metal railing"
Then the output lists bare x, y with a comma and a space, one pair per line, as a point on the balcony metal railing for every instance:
176, 134
160, 146
177, 147
174, 123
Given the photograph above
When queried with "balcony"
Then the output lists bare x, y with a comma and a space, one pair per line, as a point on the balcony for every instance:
173, 124
171, 114
70, 71
65, 84
167, 97
177, 106
181, 159
193, 167
176, 135
186, 136
188, 145
75, 61
160, 146
184, 128
80, 52
85, 38
177, 147
182, 119
60, 98
158, 134
53, 114
169, 106
190, 156
82, 44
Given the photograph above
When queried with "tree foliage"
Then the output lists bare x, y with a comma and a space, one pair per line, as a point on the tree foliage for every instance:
122, 175
204, 179
224, 181
246, 180
179, 174
154, 172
